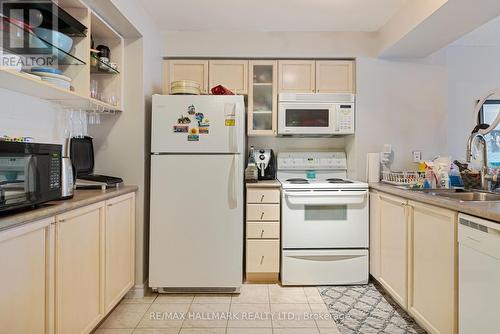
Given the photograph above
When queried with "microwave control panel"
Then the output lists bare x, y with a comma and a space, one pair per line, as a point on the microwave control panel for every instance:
344, 119
55, 171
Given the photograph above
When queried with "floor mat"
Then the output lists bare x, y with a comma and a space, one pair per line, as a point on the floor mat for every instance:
367, 309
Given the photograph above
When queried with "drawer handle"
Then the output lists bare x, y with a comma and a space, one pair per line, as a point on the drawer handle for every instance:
262, 259
262, 198
262, 215
262, 233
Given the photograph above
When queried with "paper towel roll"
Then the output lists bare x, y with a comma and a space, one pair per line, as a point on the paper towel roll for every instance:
373, 167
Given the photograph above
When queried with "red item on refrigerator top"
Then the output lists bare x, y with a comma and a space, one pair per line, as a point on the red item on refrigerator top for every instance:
221, 90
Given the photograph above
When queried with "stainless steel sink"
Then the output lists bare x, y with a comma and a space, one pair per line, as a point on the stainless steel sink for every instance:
473, 196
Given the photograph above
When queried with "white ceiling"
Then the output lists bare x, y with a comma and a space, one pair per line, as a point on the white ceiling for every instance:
272, 15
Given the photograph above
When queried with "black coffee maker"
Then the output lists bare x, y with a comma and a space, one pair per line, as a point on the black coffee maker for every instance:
266, 164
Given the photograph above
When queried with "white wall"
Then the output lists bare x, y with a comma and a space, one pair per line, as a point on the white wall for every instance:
27, 116
473, 70
123, 142
399, 102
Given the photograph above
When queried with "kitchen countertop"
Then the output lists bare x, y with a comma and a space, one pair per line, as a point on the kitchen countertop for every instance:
81, 198
265, 184
487, 210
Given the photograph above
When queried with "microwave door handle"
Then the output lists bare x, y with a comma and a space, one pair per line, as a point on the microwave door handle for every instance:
29, 176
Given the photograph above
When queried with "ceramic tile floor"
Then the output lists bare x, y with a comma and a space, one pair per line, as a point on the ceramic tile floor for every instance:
258, 309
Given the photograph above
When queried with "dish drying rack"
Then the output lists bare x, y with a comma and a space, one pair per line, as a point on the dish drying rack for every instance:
402, 178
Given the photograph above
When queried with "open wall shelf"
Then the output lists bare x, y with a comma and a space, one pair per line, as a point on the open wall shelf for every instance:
25, 84
82, 24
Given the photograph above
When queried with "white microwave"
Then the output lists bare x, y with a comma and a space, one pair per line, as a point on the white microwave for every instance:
316, 114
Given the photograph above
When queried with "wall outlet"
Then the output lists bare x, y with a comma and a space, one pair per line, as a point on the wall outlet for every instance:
417, 156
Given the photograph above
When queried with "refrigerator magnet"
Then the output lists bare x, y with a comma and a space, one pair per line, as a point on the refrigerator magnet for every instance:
203, 130
205, 123
191, 109
199, 117
193, 138
193, 131
181, 128
183, 120
230, 122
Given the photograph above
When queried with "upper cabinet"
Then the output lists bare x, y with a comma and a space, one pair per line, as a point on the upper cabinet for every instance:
335, 76
232, 74
262, 98
297, 76
179, 69
322, 76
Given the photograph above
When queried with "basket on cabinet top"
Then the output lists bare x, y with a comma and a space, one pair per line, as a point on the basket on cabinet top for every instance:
402, 178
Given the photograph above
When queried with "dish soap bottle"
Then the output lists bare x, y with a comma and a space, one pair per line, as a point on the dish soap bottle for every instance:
251, 172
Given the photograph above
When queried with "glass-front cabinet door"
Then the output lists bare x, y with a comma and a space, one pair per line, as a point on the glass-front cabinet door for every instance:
262, 98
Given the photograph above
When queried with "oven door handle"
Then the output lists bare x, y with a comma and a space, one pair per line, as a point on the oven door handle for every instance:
326, 197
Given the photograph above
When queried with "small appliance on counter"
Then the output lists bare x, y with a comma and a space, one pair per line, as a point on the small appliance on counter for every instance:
30, 174
82, 157
67, 174
266, 165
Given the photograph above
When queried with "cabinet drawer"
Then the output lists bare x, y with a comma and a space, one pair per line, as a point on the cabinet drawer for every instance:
263, 196
263, 256
263, 230
262, 212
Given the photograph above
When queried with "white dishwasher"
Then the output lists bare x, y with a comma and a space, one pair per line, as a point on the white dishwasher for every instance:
479, 275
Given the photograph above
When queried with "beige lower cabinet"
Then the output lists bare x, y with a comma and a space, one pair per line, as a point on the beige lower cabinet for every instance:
263, 233
375, 234
79, 267
393, 247
432, 271
119, 249
26, 280
415, 258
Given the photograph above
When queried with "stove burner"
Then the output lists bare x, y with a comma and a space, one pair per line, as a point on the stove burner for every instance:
336, 180
297, 181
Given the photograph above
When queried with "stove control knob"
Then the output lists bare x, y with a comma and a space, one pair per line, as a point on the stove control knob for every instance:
262, 156
261, 151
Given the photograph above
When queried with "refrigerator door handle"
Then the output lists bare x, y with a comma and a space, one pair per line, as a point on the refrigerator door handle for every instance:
233, 184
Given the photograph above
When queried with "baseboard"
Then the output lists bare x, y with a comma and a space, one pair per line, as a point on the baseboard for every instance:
138, 290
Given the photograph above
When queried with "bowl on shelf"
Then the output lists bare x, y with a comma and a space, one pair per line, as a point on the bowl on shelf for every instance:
56, 38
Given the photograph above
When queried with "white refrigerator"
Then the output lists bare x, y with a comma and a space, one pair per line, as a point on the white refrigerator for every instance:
196, 200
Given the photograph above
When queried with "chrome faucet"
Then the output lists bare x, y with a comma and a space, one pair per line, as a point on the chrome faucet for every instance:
486, 177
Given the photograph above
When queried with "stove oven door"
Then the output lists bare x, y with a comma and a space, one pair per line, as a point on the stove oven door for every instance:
325, 219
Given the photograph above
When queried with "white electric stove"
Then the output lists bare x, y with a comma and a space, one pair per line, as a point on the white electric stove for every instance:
324, 220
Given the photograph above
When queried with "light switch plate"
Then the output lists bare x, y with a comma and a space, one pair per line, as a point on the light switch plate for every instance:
417, 156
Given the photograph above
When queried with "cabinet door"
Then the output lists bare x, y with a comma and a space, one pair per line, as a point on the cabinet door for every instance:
262, 98
263, 256
393, 247
432, 270
26, 279
297, 76
374, 234
232, 74
335, 76
79, 269
195, 70
119, 249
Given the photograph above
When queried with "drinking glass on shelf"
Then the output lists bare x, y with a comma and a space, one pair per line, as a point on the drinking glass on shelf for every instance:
113, 100
93, 89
